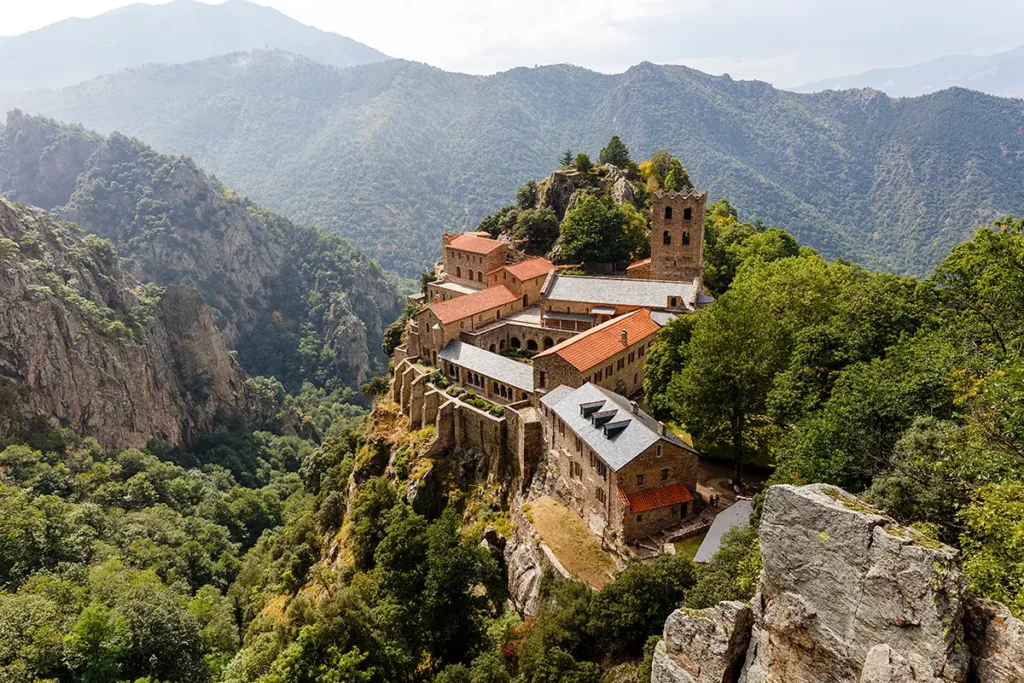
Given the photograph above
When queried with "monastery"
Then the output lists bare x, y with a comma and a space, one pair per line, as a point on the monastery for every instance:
512, 358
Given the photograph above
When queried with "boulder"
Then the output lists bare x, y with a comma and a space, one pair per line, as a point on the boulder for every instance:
703, 646
839, 579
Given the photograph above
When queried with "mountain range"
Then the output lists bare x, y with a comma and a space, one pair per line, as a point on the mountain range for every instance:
997, 74
77, 49
392, 154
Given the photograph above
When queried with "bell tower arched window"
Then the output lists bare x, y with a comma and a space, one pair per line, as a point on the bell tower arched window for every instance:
686, 238
666, 238
668, 213
687, 214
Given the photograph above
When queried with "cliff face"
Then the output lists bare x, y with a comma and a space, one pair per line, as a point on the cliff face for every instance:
176, 225
845, 595
84, 344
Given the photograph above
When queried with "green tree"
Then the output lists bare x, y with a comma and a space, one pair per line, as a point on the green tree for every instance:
732, 572
373, 499
583, 163
526, 196
615, 153
566, 159
993, 544
596, 230
535, 230
98, 639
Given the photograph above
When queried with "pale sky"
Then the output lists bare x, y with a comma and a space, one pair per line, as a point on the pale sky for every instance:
785, 42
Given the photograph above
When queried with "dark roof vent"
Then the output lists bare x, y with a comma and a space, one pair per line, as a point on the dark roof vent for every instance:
586, 409
613, 428
601, 417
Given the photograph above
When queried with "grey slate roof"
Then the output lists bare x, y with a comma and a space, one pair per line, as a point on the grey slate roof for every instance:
513, 373
571, 317
737, 514
662, 317
618, 291
620, 447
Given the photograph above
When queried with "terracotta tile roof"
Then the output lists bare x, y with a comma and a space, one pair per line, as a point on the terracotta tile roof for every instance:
641, 262
600, 343
478, 245
527, 270
471, 304
652, 499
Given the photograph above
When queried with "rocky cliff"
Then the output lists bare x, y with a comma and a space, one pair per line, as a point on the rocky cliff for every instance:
845, 594
274, 287
84, 344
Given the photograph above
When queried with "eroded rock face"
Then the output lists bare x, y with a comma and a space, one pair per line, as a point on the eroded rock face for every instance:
703, 646
996, 641
840, 579
523, 560
84, 344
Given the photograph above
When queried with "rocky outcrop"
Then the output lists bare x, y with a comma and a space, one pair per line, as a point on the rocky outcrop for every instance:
557, 189
174, 224
846, 595
524, 563
84, 344
703, 646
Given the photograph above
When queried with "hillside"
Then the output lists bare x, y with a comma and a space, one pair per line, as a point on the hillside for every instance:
85, 344
997, 74
390, 155
78, 49
295, 302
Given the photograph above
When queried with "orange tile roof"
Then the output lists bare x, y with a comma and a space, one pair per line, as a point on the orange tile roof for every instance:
471, 304
478, 245
600, 343
531, 268
641, 262
652, 499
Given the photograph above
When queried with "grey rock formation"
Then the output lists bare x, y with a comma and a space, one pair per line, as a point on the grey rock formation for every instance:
557, 189
846, 595
85, 345
703, 646
524, 563
839, 579
996, 641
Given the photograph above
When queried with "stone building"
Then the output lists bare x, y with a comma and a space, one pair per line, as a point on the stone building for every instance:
578, 303
526, 278
433, 327
469, 256
489, 375
623, 472
610, 355
677, 236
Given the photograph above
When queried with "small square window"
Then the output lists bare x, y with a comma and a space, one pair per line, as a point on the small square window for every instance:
639, 518
640, 480
664, 474
675, 510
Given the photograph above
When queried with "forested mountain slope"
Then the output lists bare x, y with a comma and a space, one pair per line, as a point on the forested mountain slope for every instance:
85, 344
392, 154
77, 49
295, 302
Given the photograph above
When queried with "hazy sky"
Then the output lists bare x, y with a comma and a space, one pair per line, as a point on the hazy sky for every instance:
786, 42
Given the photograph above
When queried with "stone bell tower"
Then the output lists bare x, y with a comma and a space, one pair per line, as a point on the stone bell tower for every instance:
677, 235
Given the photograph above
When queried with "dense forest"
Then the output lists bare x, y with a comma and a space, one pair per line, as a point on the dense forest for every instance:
295, 302
391, 155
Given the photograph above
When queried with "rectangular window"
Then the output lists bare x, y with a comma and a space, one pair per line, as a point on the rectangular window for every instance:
639, 518
632, 356
608, 372
600, 494
561, 428
659, 450
640, 352
664, 474
675, 510
622, 363
543, 380
602, 469
640, 481
597, 377
579, 445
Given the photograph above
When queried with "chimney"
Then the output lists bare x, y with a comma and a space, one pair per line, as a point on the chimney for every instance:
661, 428
625, 338
634, 406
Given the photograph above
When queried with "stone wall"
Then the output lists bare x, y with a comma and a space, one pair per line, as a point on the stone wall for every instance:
497, 338
677, 261
622, 373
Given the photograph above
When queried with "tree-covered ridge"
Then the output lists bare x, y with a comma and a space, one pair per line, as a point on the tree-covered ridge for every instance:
297, 303
391, 155
908, 391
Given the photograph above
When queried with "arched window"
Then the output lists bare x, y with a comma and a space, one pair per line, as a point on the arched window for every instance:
501, 344
668, 213
548, 342
470, 273
498, 390
458, 271
687, 214
531, 345
686, 238
480, 276
491, 349
514, 342
666, 238
526, 300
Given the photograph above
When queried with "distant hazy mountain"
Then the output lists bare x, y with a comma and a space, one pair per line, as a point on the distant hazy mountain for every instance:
999, 74
75, 49
391, 155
